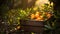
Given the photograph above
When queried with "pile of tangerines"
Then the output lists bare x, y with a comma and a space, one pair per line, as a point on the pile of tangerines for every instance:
40, 16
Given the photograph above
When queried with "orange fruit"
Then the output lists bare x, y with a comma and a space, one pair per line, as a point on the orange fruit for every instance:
48, 15
32, 16
38, 18
37, 14
41, 18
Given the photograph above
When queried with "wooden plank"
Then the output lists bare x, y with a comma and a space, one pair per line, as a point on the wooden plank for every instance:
32, 23
32, 29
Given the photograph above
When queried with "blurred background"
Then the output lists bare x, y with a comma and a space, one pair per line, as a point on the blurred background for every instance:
11, 11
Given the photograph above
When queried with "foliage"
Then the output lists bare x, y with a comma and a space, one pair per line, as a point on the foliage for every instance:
50, 24
12, 17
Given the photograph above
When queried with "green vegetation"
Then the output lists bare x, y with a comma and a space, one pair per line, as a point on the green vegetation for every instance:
11, 17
